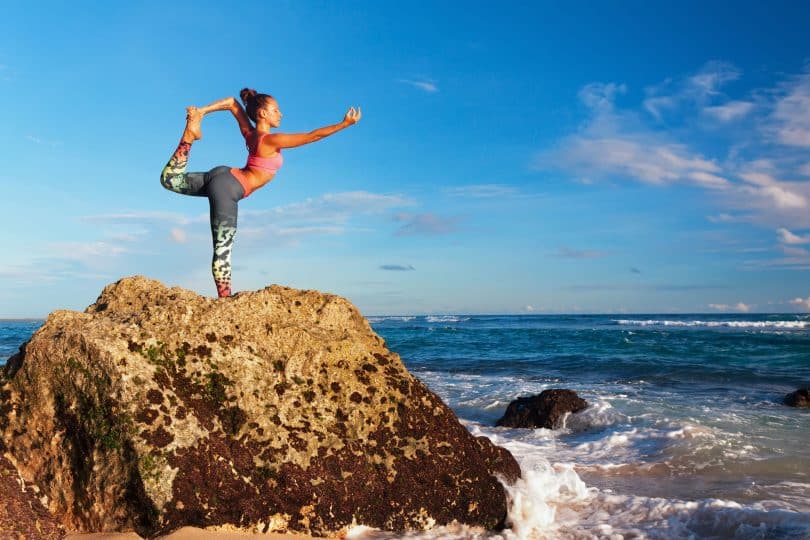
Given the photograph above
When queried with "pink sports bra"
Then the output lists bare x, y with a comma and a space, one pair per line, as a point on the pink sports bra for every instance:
265, 164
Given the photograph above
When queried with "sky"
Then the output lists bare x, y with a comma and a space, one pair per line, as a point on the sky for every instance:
578, 157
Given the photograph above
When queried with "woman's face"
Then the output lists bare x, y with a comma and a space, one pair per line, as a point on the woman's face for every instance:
272, 112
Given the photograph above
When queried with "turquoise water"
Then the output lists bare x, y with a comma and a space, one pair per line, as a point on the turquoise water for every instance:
685, 435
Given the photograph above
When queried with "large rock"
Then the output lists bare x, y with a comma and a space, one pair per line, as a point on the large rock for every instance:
799, 398
544, 410
278, 410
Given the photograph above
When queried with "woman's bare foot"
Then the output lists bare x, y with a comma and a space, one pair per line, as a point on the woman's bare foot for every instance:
193, 119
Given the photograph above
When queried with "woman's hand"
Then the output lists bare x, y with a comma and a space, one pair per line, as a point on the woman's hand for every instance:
352, 116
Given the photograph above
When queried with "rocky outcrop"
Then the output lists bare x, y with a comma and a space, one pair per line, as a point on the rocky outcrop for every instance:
277, 410
799, 398
544, 410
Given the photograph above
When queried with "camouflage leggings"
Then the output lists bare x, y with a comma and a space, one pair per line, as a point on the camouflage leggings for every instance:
224, 192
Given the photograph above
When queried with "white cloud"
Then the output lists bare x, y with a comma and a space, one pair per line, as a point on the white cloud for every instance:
528, 308
765, 186
795, 251
790, 120
751, 180
129, 237
482, 191
330, 208
86, 251
141, 218
801, 302
423, 84
601, 95
787, 237
425, 224
712, 76
284, 236
637, 156
740, 306
692, 91
731, 110
721, 218
178, 235
40, 140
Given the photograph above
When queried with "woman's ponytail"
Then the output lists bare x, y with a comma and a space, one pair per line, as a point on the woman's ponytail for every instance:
252, 101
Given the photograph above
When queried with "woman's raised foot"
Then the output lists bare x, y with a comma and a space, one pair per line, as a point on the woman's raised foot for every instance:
193, 118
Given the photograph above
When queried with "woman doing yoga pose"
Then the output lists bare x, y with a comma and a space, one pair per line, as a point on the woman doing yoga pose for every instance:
225, 186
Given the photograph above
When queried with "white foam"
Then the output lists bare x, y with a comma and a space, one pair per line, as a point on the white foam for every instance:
717, 324
445, 318
401, 318
551, 501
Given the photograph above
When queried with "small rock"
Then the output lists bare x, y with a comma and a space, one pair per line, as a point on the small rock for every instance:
545, 410
799, 398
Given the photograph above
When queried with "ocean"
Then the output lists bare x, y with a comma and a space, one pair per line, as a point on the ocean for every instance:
685, 435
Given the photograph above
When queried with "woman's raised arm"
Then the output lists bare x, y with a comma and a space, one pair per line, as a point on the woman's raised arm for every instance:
230, 104
291, 140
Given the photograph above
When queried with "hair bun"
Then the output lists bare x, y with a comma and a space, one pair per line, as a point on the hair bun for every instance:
247, 93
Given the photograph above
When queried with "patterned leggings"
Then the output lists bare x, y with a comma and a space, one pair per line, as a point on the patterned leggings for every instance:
224, 192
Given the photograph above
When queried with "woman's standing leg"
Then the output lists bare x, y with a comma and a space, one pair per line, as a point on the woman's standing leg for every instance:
174, 176
224, 192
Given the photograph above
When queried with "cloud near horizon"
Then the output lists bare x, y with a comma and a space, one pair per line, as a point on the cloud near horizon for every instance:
739, 306
145, 232
801, 302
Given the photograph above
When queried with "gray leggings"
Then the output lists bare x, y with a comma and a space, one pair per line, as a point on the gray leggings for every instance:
224, 192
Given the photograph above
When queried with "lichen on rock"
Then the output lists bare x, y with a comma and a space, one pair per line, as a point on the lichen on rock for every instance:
278, 409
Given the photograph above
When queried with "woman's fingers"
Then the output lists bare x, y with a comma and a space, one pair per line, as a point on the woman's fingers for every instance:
353, 114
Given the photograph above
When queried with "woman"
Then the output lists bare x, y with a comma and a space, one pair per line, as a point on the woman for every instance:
225, 186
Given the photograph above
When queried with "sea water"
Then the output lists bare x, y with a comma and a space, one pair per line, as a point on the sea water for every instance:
685, 435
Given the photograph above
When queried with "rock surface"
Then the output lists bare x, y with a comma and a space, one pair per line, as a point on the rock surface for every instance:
799, 398
544, 410
275, 410
22, 515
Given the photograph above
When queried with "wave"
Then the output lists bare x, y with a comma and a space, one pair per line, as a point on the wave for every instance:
445, 318
552, 502
716, 324
401, 318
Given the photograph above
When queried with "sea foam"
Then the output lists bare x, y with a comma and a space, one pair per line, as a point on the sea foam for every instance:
715, 324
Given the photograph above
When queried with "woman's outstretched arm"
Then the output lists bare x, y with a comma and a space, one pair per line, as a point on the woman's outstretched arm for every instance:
291, 140
230, 104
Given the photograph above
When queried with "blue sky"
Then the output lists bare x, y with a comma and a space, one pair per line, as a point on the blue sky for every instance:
587, 157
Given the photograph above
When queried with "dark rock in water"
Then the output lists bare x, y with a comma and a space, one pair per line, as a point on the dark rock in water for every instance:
545, 410
274, 410
799, 398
